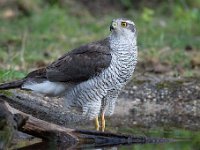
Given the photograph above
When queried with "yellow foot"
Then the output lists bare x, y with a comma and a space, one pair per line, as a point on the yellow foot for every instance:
103, 122
97, 123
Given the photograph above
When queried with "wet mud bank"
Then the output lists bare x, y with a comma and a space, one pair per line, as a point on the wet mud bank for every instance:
154, 102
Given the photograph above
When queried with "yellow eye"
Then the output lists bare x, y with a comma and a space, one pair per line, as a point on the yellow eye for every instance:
123, 24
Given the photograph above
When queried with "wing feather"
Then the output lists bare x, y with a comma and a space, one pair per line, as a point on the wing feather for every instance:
80, 64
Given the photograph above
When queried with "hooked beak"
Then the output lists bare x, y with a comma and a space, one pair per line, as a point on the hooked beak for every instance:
113, 26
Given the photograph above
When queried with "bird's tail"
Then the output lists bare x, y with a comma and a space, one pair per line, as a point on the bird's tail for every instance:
12, 85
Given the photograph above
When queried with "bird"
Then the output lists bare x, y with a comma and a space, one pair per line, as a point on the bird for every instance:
91, 76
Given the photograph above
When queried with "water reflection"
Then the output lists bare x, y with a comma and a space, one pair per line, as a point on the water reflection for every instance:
190, 140
166, 146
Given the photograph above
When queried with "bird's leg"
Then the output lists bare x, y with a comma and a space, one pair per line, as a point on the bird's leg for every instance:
102, 113
103, 122
97, 123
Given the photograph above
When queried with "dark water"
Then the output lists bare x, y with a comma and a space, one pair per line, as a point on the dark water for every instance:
186, 140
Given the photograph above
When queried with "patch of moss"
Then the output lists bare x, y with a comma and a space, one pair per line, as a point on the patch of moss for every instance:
162, 85
169, 84
6, 133
139, 82
6, 93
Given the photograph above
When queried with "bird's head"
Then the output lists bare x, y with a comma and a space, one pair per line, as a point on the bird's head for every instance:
124, 28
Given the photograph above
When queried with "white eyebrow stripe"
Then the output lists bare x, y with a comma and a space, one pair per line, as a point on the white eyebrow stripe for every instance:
128, 21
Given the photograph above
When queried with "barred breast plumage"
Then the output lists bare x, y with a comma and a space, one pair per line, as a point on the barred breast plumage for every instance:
100, 92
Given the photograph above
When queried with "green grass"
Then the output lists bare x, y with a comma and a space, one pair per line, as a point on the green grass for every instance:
52, 30
7, 75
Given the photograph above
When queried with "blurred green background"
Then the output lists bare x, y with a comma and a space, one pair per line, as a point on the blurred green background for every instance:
34, 33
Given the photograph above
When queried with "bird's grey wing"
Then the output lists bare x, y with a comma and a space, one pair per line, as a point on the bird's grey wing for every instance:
80, 64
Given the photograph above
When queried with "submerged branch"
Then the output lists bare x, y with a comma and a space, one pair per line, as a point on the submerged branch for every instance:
66, 137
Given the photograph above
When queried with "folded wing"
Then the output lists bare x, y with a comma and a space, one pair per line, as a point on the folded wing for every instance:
80, 64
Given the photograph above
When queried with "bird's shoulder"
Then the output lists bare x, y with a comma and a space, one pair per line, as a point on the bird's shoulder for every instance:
81, 63
84, 53
101, 47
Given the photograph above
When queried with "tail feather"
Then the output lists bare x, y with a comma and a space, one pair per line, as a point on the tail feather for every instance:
12, 85
39, 74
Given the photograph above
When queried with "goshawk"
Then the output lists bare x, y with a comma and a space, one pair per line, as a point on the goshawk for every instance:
89, 77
